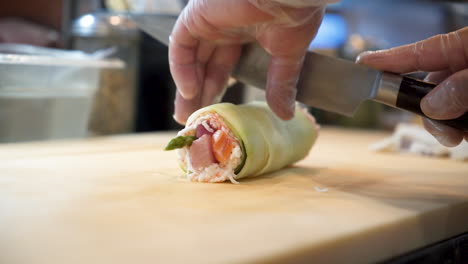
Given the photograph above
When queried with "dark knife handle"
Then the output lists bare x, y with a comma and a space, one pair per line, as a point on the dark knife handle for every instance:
409, 98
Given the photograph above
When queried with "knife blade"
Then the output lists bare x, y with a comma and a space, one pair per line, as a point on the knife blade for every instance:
327, 83
159, 26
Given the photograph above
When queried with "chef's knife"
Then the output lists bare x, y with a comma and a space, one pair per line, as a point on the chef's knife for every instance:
327, 83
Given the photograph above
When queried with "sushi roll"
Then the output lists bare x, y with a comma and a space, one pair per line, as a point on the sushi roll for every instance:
225, 142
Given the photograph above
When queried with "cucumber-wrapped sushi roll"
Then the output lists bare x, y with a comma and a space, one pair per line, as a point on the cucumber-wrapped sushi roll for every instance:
228, 142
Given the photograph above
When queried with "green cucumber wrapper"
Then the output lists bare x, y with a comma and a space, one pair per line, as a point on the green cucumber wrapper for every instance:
269, 143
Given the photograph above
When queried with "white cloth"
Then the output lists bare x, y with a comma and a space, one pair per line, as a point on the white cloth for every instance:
414, 139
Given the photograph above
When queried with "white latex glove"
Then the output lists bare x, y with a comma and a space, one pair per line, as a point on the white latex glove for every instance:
446, 58
206, 44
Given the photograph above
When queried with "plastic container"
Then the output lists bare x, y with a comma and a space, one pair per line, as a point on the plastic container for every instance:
48, 95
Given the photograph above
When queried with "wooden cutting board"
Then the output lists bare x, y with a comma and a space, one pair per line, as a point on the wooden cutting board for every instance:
122, 200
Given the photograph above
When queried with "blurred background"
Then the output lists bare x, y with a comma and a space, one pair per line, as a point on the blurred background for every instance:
79, 68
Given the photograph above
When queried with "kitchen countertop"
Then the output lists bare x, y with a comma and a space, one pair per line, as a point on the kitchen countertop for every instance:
124, 200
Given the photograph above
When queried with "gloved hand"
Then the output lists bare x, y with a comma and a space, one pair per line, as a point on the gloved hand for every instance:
206, 43
446, 58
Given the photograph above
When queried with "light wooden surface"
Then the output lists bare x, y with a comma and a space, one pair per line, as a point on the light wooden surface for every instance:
122, 200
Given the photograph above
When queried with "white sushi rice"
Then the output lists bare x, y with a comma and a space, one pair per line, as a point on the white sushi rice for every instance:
215, 172
207, 127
